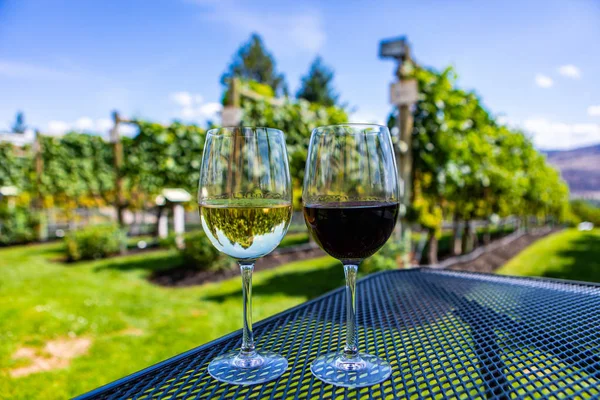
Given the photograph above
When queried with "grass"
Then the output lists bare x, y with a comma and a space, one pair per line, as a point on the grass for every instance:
568, 254
105, 300
294, 239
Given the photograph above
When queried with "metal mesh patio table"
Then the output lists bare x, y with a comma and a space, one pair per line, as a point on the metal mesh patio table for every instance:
445, 334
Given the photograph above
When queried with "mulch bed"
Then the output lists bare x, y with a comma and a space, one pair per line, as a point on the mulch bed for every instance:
184, 276
490, 261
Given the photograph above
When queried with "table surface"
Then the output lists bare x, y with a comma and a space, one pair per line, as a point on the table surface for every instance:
445, 333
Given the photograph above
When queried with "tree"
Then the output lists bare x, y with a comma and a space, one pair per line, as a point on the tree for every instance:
296, 119
584, 211
467, 166
160, 157
77, 171
14, 169
253, 62
317, 85
19, 125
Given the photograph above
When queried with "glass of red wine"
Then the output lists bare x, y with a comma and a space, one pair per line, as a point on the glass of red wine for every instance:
351, 201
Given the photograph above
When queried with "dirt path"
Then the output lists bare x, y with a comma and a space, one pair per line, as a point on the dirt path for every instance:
492, 260
56, 354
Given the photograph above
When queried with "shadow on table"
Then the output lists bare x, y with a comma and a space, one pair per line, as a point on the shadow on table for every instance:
298, 283
583, 260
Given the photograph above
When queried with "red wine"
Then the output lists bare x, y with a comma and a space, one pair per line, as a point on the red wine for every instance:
351, 231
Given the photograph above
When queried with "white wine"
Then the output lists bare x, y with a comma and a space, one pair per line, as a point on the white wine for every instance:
245, 229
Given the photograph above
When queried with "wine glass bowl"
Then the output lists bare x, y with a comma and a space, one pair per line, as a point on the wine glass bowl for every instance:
351, 202
250, 230
245, 205
334, 226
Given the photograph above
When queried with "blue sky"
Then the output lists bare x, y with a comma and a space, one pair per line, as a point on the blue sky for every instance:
69, 63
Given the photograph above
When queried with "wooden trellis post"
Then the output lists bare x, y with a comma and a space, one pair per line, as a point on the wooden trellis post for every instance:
42, 227
403, 94
115, 139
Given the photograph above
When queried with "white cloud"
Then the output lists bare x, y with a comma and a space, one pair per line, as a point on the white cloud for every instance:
15, 69
502, 120
192, 106
104, 124
509, 122
548, 134
84, 124
367, 117
57, 127
210, 109
100, 126
570, 71
183, 99
127, 129
594, 111
543, 81
286, 32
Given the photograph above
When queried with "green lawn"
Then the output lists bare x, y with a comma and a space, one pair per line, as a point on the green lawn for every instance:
131, 323
568, 254
294, 239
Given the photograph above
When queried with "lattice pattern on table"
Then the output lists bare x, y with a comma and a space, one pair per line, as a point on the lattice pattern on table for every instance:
446, 334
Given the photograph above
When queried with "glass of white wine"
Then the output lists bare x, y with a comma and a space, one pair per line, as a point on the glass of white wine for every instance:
245, 202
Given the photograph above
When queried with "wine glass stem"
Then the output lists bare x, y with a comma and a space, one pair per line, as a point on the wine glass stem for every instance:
351, 348
248, 337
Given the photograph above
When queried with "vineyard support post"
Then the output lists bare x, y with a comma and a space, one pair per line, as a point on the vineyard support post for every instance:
235, 94
405, 122
178, 224
118, 165
403, 95
42, 227
163, 224
231, 116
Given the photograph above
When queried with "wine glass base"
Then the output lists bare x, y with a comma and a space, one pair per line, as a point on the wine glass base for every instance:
335, 369
233, 368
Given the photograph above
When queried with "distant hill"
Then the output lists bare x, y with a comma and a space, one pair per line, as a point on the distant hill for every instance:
580, 168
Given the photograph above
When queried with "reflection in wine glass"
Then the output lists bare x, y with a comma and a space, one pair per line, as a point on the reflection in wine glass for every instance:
351, 202
245, 202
